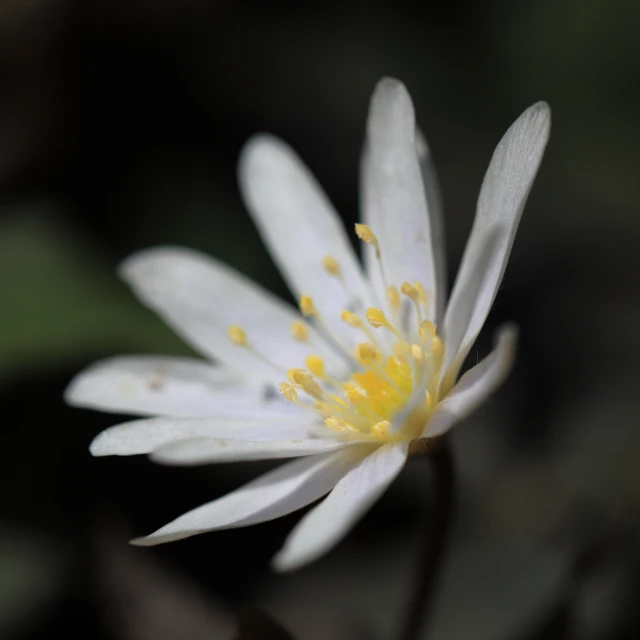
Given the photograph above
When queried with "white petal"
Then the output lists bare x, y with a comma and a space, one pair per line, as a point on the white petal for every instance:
145, 436
433, 194
167, 386
475, 386
502, 198
275, 494
330, 521
395, 206
300, 227
200, 298
197, 451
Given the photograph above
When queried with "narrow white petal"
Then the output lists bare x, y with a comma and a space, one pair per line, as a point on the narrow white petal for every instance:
394, 202
433, 194
275, 494
502, 198
163, 386
330, 521
145, 436
475, 386
200, 298
300, 227
197, 451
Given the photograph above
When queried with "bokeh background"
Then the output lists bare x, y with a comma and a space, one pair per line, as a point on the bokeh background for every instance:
120, 126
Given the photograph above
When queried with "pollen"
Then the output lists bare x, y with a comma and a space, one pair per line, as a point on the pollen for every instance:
297, 376
288, 392
366, 235
237, 336
376, 318
410, 291
331, 265
299, 331
351, 319
304, 380
394, 385
315, 364
306, 306
366, 353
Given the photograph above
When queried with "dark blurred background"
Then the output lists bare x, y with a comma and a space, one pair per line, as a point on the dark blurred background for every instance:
120, 126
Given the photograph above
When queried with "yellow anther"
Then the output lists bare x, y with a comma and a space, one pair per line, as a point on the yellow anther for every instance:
288, 392
398, 368
394, 296
331, 265
427, 331
437, 347
376, 318
410, 291
299, 330
366, 353
381, 429
336, 424
315, 364
297, 376
423, 293
237, 335
356, 397
306, 306
351, 319
303, 380
366, 235
416, 351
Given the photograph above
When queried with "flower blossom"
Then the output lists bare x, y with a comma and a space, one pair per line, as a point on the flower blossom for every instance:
368, 364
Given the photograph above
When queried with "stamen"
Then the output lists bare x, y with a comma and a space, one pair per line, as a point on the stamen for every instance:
427, 331
300, 331
416, 352
377, 319
366, 353
288, 392
351, 319
331, 266
400, 368
338, 425
366, 235
315, 364
437, 350
394, 297
309, 310
423, 293
307, 307
410, 291
237, 335
361, 403
415, 296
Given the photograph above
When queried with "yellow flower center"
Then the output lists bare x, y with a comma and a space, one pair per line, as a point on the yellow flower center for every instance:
390, 395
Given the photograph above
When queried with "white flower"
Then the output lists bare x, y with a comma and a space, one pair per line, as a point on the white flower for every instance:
369, 364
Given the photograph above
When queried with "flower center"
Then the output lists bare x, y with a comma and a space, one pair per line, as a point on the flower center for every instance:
393, 387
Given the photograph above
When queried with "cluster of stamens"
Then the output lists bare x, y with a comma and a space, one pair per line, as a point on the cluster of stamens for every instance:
381, 384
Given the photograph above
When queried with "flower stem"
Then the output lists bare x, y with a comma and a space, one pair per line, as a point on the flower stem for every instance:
431, 555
